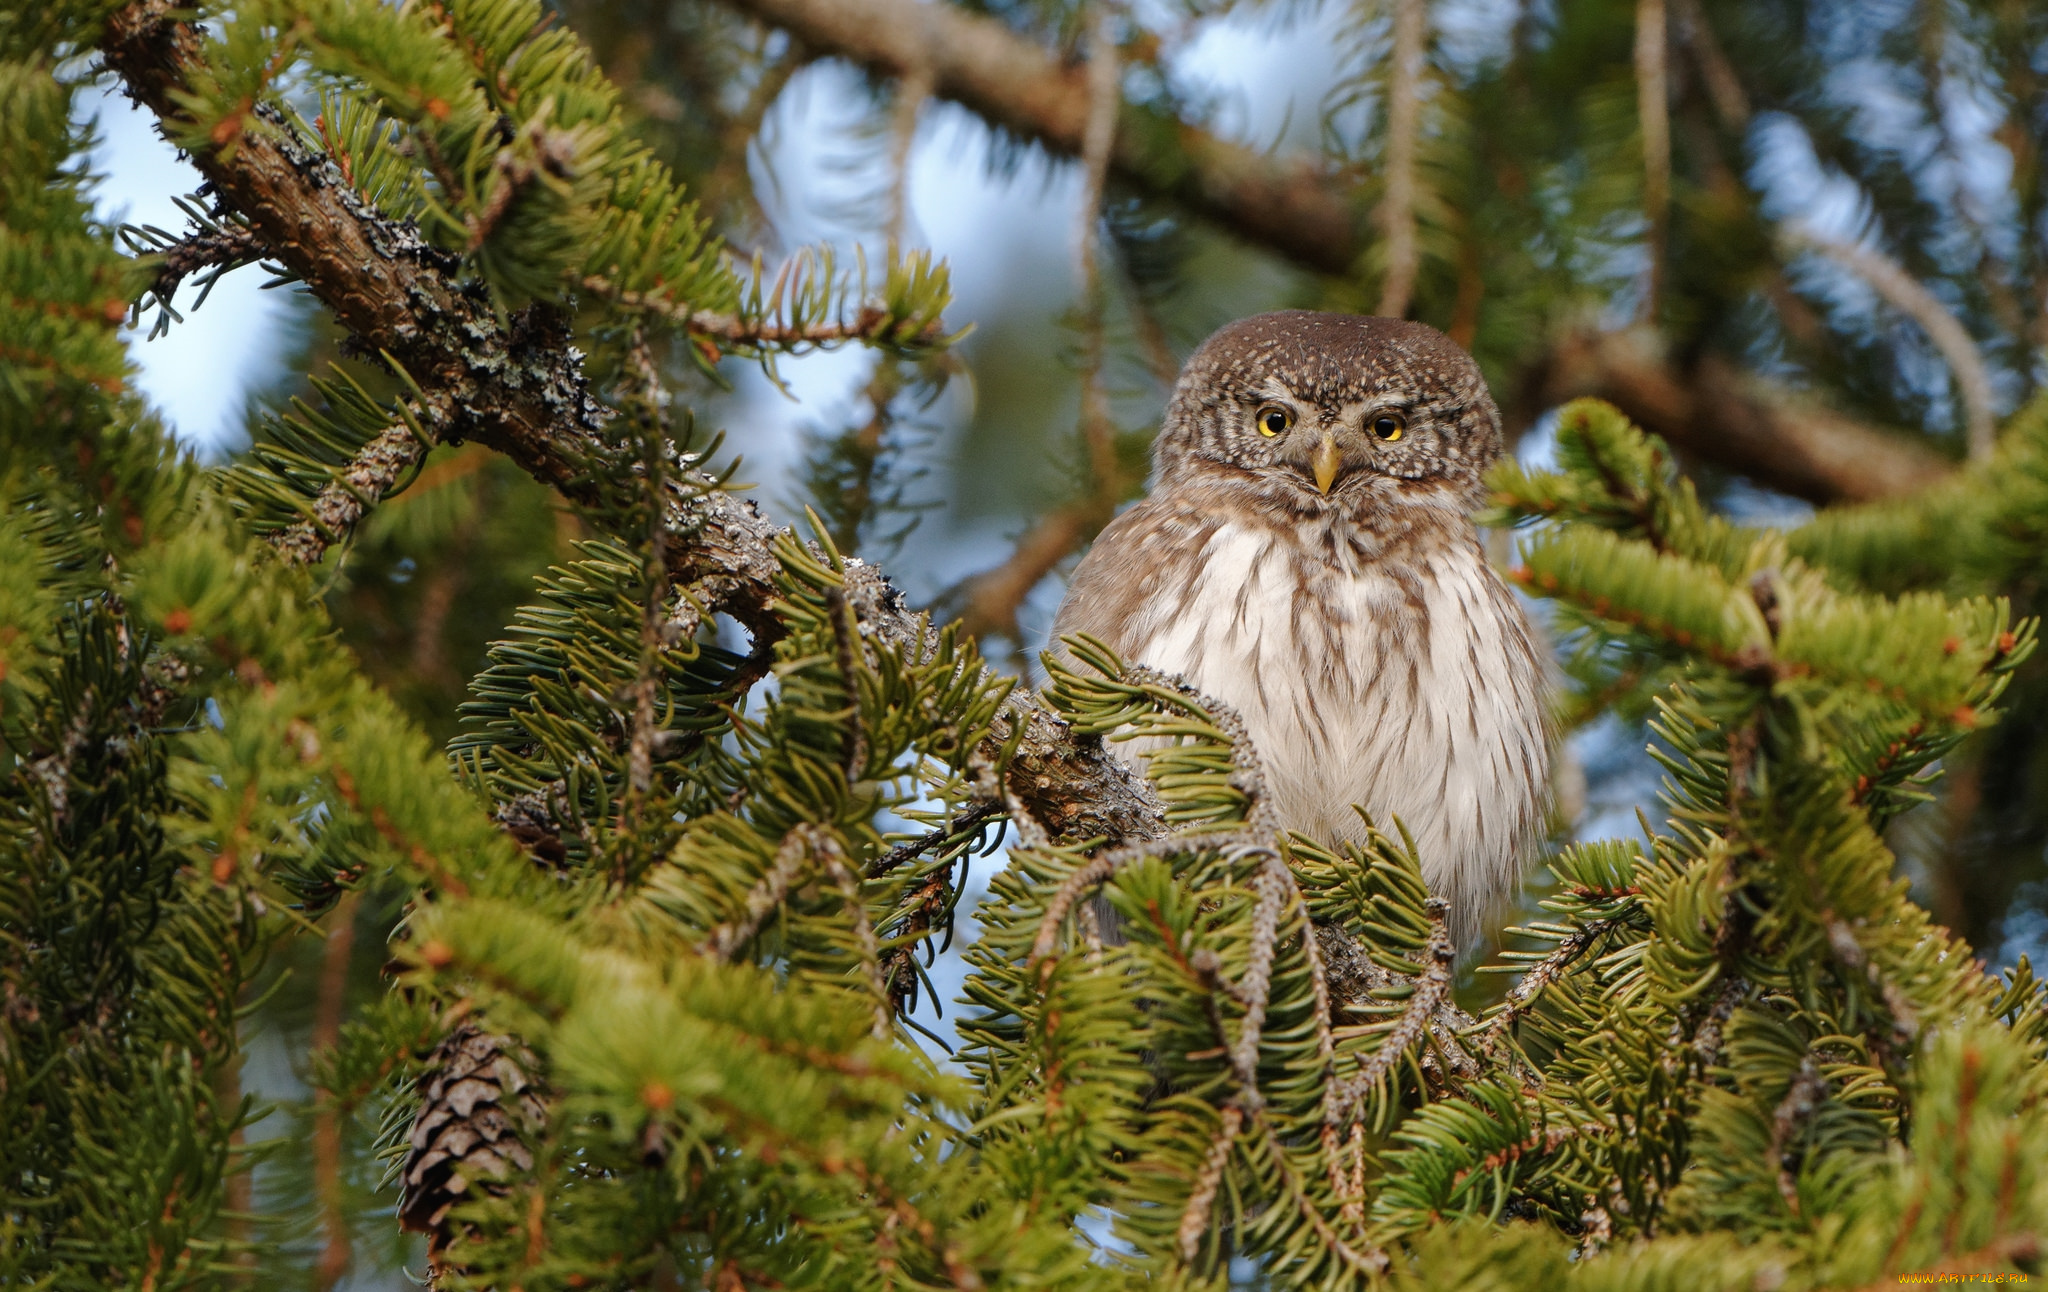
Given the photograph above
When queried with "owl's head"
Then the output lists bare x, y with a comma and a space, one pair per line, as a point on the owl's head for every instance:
1334, 410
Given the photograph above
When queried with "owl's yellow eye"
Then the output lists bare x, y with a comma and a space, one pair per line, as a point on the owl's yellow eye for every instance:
1388, 426
1272, 421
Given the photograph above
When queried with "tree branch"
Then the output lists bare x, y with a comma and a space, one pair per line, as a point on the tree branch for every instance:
1296, 210
731, 331
1396, 214
1012, 83
368, 477
989, 601
1653, 112
1724, 87
519, 387
1910, 297
1713, 412
222, 247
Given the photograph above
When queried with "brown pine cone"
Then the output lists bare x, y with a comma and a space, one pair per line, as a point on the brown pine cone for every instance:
479, 1103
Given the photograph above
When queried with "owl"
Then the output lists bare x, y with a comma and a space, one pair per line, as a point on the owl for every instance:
1306, 554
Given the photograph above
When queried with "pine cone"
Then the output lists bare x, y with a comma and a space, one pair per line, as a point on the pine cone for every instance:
478, 1104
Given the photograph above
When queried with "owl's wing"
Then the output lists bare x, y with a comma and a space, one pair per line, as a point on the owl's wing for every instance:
1114, 593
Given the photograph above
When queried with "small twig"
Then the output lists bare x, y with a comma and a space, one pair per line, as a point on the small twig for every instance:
1724, 87
734, 331
1910, 297
1653, 111
1256, 987
1540, 975
912, 92
1089, 918
865, 944
1098, 871
908, 852
1807, 1091
1372, 1260
847, 654
54, 769
738, 133
1706, 1042
222, 247
1849, 950
767, 894
1318, 978
1340, 1099
1194, 1220
376, 467
1098, 135
1404, 125
989, 601
652, 397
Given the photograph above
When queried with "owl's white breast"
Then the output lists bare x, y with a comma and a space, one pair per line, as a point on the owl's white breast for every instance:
1409, 687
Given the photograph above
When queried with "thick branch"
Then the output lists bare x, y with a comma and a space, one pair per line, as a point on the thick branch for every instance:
1011, 82
1713, 412
519, 387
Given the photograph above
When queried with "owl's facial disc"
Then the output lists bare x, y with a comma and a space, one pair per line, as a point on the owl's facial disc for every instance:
1327, 445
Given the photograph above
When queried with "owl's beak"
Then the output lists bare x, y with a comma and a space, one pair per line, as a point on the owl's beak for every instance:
1326, 461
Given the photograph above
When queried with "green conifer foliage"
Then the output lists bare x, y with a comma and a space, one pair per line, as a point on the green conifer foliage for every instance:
668, 905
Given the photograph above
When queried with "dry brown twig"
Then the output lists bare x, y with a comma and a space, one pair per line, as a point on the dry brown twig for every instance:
1396, 215
1653, 114
1910, 297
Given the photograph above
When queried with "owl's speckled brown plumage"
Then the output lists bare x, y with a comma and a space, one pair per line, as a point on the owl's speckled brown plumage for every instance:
1375, 657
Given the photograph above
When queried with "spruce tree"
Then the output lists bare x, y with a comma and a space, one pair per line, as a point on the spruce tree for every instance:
664, 894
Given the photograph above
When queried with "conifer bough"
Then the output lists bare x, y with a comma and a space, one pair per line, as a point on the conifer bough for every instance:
519, 388
648, 1019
